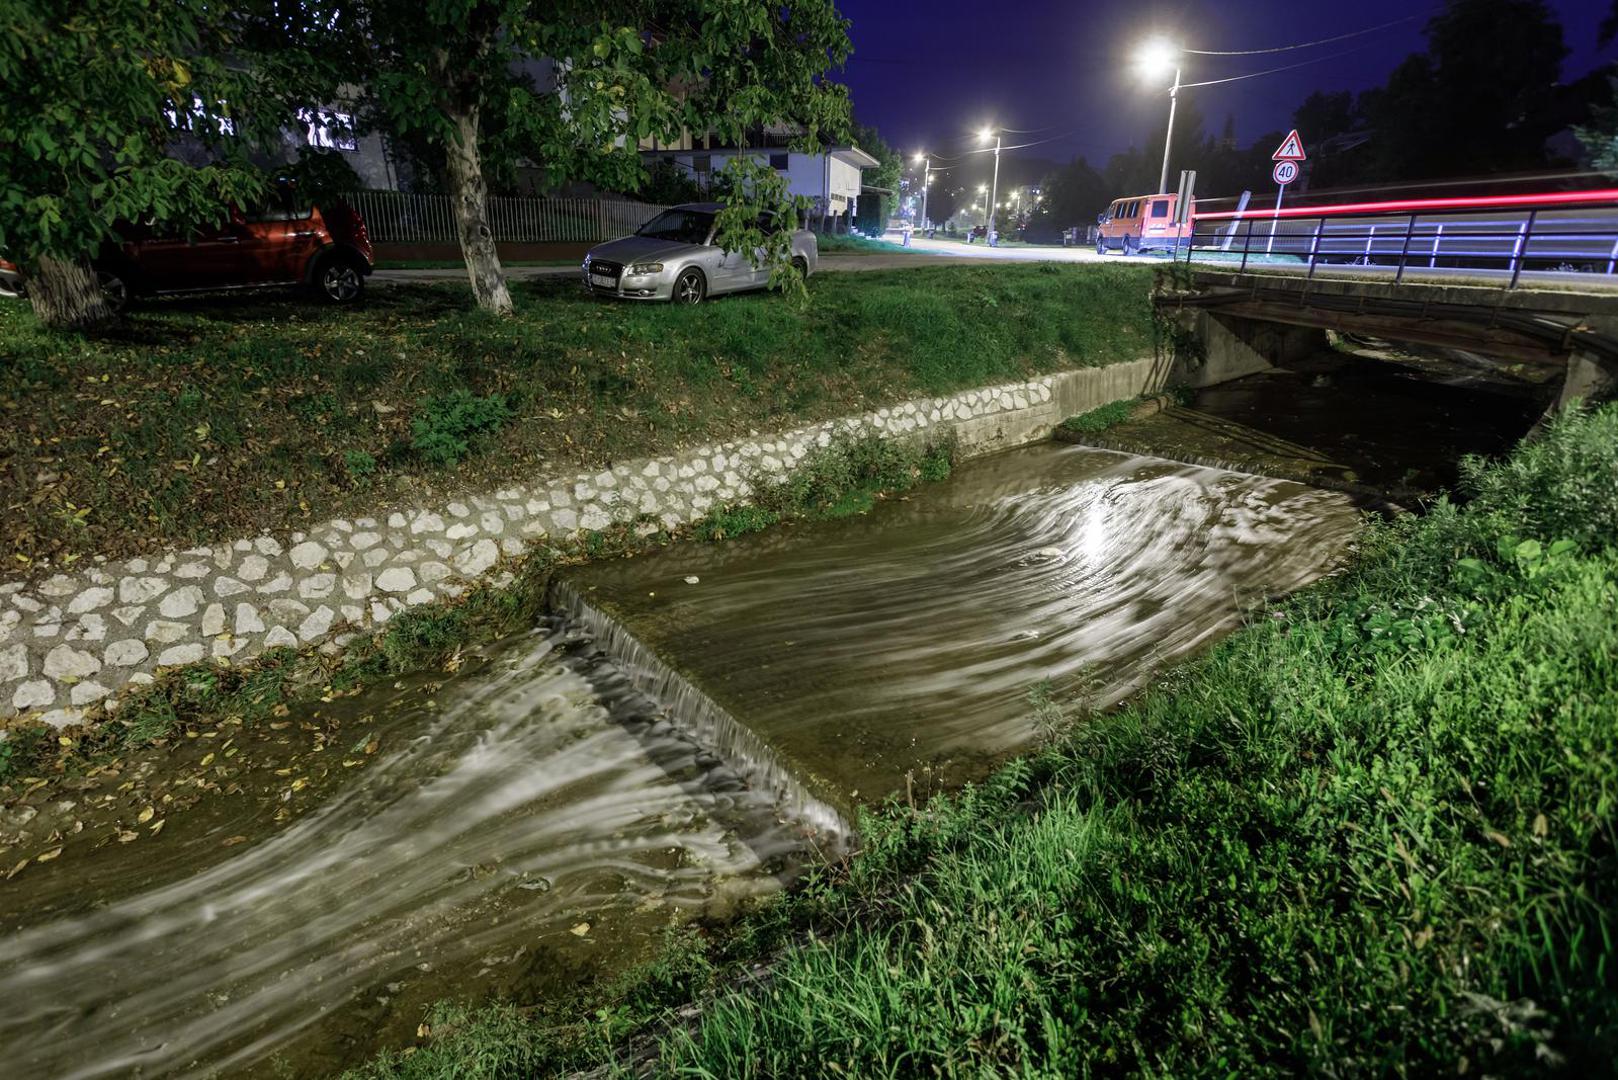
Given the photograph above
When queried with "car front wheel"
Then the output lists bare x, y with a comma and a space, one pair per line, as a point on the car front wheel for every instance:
690, 287
1101, 245
800, 266
115, 288
339, 281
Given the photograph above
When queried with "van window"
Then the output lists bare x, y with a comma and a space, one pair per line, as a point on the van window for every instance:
1134, 209
1160, 208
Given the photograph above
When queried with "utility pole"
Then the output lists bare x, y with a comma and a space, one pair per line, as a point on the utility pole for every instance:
926, 178
994, 189
1168, 139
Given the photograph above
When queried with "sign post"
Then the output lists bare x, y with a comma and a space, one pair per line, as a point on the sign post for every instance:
1286, 158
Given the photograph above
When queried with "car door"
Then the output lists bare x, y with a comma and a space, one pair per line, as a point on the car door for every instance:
222, 256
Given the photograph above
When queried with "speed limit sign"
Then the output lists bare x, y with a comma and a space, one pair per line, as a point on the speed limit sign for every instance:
1285, 172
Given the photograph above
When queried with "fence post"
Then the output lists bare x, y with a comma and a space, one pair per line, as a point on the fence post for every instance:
1432, 261
1314, 248
1404, 253
1247, 244
1524, 234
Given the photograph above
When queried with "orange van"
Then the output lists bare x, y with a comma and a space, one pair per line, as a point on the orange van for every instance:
1141, 223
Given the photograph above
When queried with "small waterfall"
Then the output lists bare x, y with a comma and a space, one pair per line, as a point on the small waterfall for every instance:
702, 719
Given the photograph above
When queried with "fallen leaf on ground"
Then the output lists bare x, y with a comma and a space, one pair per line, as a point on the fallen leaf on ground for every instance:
580, 930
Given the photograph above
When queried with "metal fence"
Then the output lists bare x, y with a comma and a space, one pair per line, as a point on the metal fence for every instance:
394, 217
1501, 240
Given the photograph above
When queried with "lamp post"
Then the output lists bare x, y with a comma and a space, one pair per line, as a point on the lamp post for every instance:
926, 164
1157, 56
986, 134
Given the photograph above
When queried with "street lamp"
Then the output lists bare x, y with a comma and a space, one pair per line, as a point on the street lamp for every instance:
1155, 58
926, 164
988, 225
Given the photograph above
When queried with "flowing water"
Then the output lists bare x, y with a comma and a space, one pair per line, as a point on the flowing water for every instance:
535, 813
658, 751
909, 639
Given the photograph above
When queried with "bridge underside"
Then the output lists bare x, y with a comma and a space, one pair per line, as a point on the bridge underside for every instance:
1256, 319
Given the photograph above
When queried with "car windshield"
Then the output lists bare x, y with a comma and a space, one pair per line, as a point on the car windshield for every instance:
686, 226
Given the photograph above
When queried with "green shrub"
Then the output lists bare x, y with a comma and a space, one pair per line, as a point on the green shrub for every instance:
448, 426
359, 464
1563, 484
1100, 419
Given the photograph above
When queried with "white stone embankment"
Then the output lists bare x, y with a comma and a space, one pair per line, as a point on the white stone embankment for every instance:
73, 641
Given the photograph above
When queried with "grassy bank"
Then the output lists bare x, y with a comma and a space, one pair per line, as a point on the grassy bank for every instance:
200, 420
1371, 833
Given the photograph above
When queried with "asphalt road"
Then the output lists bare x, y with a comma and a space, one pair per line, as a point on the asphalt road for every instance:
921, 253
945, 253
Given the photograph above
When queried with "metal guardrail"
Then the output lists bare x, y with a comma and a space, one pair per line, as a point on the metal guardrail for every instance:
1565, 232
399, 217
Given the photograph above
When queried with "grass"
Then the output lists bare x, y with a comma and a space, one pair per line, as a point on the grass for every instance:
1371, 833
206, 419
848, 244
838, 480
458, 264
1101, 418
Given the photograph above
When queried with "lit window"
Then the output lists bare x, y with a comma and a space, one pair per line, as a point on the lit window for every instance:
199, 114
328, 130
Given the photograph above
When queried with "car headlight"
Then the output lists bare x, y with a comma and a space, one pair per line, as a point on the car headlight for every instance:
646, 268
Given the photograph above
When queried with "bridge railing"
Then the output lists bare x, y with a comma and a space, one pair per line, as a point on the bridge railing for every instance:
1476, 236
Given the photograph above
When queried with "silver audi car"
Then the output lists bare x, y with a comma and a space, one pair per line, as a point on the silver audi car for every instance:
674, 257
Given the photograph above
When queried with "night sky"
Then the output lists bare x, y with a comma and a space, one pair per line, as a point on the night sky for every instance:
926, 74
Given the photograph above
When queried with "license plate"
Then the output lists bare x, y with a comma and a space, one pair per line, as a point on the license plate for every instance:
604, 281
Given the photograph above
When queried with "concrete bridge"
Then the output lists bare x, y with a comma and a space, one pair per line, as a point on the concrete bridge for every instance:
1252, 320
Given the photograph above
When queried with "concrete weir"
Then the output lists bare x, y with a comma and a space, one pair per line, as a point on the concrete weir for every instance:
71, 642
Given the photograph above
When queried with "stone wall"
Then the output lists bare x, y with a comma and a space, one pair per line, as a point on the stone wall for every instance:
73, 641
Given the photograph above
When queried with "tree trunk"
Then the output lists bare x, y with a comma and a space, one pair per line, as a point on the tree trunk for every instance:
470, 196
66, 295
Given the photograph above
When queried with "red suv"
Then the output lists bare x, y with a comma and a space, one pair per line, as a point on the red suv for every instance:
326, 251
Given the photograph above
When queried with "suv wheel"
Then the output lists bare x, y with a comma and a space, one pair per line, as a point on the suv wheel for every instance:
115, 288
690, 287
800, 266
339, 281
1101, 245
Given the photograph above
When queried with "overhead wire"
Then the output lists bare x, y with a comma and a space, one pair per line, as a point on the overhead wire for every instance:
1274, 70
1310, 44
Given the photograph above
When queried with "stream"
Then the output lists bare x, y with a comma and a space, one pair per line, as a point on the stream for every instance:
687, 731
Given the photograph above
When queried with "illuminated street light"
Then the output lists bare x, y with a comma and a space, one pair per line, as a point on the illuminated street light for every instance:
1155, 59
984, 136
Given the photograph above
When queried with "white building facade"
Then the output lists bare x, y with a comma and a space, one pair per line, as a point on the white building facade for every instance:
830, 179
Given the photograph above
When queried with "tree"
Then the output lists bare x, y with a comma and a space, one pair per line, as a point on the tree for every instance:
100, 96
1467, 106
886, 175
1600, 136
574, 86
1073, 196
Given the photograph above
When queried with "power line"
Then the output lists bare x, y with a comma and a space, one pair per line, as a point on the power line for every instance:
1308, 44
1272, 71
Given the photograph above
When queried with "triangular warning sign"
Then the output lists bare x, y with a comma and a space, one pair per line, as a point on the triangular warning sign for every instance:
1291, 148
